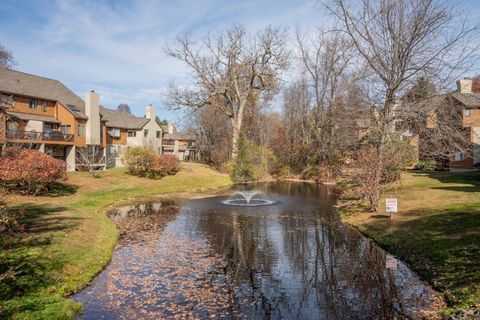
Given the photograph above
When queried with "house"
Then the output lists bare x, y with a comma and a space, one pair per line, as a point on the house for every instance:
180, 144
126, 130
46, 115
461, 108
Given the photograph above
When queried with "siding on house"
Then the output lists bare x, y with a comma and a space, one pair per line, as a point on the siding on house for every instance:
121, 140
21, 104
473, 120
67, 118
466, 104
63, 110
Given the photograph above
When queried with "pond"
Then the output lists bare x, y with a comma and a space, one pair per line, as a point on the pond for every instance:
293, 259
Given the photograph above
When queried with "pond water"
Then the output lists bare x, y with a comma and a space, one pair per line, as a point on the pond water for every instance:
293, 259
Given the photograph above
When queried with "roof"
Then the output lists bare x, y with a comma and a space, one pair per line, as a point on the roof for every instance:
20, 83
470, 100
179, 136
120, 119
27, 116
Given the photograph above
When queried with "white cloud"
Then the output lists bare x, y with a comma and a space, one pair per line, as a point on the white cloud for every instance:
118, 50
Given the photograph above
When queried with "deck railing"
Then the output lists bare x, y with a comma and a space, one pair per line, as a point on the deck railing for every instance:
39, 136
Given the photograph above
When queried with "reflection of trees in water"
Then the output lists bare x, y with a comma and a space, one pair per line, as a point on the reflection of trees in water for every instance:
301, 264
291, 260
141, 222
134, 211
303, 190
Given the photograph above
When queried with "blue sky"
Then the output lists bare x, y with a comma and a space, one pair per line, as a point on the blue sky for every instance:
117, 47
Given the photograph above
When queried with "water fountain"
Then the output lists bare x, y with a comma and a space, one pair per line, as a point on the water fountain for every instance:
247, 199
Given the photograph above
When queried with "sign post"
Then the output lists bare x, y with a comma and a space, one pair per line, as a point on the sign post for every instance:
391, 206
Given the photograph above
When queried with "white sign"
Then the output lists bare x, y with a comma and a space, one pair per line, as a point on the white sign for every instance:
390, 262
391, 204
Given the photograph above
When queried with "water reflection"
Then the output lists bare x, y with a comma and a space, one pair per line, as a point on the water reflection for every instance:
291, 260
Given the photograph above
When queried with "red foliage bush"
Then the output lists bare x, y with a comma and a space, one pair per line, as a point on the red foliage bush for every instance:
145, 163
169, 163
29, 171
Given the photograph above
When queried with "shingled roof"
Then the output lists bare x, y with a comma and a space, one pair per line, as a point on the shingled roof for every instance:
25, 84
469, 100
120, 119
20, 83
179, 136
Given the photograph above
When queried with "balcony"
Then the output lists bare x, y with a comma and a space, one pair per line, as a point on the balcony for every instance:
168, 142
43, 137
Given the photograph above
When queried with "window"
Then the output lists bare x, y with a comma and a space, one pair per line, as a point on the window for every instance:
145, 133
114, 132
33, 104
44, 106
81, 130
458, 156
47, 127
159, 134
113, 150
132, 133
65, 129
467, 113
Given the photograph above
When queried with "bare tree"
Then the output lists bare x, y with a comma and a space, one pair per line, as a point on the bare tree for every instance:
6, 102
297, 106
230, 70
400, 41
6, 58
326, 57
92, 158
213, 131
318, 106
123, 107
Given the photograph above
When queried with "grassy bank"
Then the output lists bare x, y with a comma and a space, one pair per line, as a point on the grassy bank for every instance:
69, 240
437, 231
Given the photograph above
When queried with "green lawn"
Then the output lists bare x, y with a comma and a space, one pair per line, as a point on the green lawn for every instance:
69, 239
437, 232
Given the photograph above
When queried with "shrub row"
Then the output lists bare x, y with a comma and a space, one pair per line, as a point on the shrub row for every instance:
144, 162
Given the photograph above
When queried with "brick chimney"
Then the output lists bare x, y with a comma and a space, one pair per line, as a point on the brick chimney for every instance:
464, 86
150, 112
92, 110
171, 128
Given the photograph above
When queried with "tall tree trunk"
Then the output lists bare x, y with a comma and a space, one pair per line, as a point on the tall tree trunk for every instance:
236, 127
237, 121
379, 168
376, 187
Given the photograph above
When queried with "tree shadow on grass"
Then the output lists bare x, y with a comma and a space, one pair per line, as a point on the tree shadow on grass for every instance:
460, 189
472, 177
443, 246
469, 181
380, 216
61, 189
27, 261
